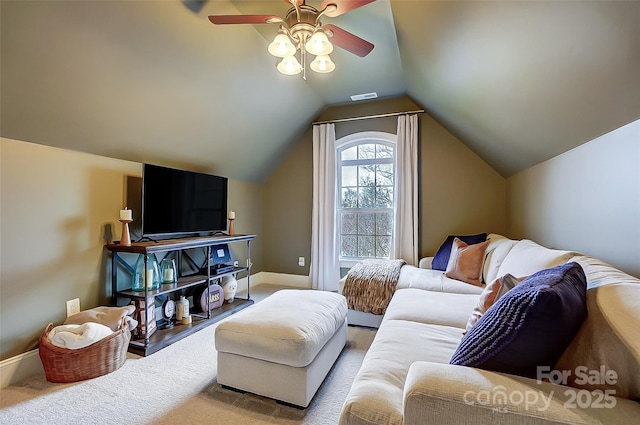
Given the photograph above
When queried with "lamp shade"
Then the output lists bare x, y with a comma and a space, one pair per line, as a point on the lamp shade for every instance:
319, 44
322, 64
281, 46
289, 66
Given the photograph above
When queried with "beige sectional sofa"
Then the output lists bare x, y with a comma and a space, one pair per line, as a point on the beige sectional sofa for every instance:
406, 377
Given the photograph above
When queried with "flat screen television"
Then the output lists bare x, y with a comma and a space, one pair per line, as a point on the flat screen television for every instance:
180, 203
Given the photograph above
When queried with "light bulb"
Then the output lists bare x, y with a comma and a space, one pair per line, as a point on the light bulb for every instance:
322, 64
281, 46
319, 44
289, 66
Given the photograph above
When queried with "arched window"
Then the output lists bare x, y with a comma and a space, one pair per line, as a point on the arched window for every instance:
366, 168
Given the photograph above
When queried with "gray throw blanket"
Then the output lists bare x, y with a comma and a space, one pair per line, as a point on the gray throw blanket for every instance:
370, 284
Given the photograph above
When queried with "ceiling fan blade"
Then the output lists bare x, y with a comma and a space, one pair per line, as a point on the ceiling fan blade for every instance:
343, 6
348, 41
244, 19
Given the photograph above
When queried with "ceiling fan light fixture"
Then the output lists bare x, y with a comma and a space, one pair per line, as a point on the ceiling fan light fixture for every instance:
322, 64
319, 44
282, 46
289, 66
302, 32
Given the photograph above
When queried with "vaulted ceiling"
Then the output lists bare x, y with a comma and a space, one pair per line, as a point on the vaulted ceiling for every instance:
155, 81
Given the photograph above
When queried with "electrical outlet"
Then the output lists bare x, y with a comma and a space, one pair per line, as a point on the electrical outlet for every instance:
73, 306
301, 261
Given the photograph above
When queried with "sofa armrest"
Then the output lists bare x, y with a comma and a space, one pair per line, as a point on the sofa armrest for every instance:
448, 394
425, 263
341, 284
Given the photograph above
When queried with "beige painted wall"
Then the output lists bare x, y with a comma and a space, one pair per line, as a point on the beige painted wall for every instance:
246, 200
287, 211
587, 199
57, 209
459, 192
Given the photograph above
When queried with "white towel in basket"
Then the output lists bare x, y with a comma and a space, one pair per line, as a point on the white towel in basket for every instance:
78, 336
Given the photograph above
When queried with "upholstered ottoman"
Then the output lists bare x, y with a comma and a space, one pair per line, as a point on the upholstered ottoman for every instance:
284, 346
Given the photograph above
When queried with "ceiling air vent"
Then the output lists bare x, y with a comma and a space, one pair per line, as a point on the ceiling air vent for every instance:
364, 96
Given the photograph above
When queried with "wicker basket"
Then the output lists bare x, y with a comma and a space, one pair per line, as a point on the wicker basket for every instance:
66, 365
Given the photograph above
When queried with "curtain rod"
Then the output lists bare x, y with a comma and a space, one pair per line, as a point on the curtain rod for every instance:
366, 117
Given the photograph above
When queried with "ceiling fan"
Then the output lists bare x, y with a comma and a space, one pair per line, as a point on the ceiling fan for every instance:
301, 29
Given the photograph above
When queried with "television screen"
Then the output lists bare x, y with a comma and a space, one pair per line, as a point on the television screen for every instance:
182, 202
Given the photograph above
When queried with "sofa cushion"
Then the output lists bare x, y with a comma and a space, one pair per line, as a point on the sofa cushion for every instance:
600, 273
433, 280
498, 248
465, 261
609, 335
455, 395
491, 293
441, 259
530, 326
375, 396
527, 257
436, 308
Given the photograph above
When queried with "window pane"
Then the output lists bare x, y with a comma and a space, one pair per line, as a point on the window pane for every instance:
384, 197
349, 176
366, 196
366, 224
383, 245
349, 246
349, 198
349, 224
367, 151
384, 151
366, 246
366, 175
384, 223
384, 174
351, 153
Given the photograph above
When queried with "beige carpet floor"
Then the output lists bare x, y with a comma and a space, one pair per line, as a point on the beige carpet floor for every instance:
177, 385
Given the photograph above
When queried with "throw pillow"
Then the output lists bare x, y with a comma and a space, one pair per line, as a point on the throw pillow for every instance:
465, 262
441, 259
492, 293
530, 326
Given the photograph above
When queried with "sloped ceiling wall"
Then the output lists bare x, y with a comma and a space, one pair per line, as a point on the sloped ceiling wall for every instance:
148, 82
155, 81
521, 82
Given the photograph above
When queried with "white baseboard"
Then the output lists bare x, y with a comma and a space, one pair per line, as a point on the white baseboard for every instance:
292, 280
17, 368
24, 365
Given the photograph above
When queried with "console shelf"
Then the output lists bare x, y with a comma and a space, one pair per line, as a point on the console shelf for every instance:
161, 338
164, 337
183, 283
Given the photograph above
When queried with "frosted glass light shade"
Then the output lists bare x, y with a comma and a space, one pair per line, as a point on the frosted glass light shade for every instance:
319, 44
289, 66
281, 46
322, 64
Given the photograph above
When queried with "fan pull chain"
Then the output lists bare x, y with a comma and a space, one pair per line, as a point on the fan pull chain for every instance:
303, 58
